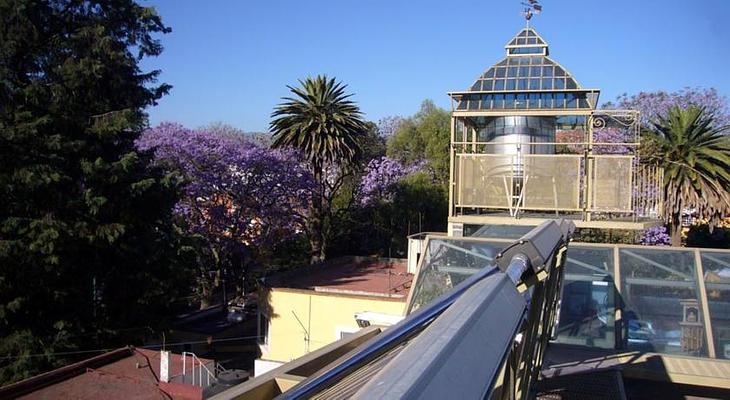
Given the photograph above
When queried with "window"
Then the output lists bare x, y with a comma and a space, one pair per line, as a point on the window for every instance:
263, 329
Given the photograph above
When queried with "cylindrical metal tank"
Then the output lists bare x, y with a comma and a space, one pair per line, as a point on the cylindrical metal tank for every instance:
514, 137
519, 135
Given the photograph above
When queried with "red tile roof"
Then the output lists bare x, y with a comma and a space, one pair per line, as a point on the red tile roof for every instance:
351, 275
127, 373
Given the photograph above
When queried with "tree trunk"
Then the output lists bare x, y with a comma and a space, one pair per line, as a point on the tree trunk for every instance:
675, 230
315, 224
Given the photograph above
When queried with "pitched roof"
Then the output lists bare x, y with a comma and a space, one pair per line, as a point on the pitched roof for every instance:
123, 373
375, 277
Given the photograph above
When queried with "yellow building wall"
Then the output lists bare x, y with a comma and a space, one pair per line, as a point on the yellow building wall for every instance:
323, 315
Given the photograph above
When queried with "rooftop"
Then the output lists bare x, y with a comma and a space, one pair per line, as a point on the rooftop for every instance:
526, 79
376, 277
128, 372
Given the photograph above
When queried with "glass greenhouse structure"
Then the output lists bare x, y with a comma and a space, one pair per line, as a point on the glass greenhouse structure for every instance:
529, 143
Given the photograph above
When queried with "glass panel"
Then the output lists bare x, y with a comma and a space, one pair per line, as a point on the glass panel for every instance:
462, 105
510, 84
534, 84
522, 84
499, 84
490, 73
559, 83
501, 72
534, 100
583, 103
716, 266
532, 40
559, 71
547, 83
486, 101
661, 309
487, 85
524, 71
477, 86
447, 263
521, 101
547, 71
498, 101
520, 41
509, 101
546, 100
473, 103
588, 302
536, 60
572, 103
571, 83
513, 61
535, 72
559, 100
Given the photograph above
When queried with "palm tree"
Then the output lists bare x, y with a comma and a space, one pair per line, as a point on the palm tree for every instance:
326, 127
695, 156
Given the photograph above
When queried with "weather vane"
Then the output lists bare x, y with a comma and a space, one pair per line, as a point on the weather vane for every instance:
532, 7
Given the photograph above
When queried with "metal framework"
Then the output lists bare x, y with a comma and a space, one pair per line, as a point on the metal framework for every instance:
701, 279
577, 161
441, 349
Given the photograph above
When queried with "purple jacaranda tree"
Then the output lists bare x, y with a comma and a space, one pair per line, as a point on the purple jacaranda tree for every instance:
655, 236
388, 126
657, 104
380, 179
238, 195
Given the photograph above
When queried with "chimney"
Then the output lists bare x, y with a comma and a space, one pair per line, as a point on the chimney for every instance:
164, 366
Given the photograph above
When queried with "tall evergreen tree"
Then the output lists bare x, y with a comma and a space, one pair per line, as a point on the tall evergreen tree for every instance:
86, 239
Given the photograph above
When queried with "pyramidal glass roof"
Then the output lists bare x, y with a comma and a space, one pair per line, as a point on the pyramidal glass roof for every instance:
526, 78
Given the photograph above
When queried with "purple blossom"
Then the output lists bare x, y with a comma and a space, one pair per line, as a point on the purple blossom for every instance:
655, 236
381, 178
388, 126
237, 193
612, 135
654, 104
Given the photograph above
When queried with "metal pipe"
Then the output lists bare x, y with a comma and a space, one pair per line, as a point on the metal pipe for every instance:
387, 339
517, 266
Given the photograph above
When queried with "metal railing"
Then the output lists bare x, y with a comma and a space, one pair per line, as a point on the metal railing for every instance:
515, 298
202, 371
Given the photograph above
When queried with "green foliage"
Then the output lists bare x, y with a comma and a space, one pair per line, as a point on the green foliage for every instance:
702, 236
424, 136
382, 228
320, 121
327, 128
589, 235
695, 156
88, 252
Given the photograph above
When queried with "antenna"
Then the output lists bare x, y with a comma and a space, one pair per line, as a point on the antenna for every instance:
531, 7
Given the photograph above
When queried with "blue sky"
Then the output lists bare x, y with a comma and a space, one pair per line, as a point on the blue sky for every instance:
230, 61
